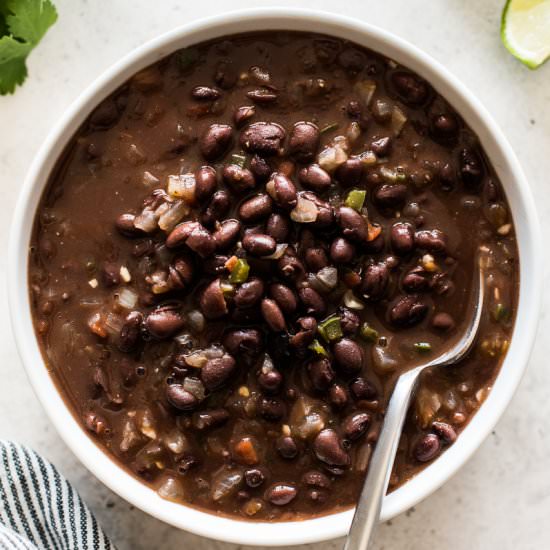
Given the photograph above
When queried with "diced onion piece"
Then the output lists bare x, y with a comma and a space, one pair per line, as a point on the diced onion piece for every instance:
170, 218
427, 405
182, 187
195, 320
351, 301
353, 132
194, 386
196, 359
149, 179
398, 120
127, 298
328, 276
171, 489
279, 252
225, 484
362, 457
113, 323
147, 427
214, 352
130, 436
368, 158
176, 442
334, 154
310, 425
146, 221
382, 361
305, 211
366, 89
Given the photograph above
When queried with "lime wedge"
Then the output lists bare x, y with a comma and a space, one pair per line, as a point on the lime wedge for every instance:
525, 30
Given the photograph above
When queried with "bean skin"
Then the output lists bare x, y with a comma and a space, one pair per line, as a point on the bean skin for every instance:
316, 258
338, 396
256, 208
217, 372
206, 181
243, 114
130, 333
375, 281
445, 432
305, 333
434, 241
125, 226
181, 399
273, 315
164, 322
281, 494
411, 88
217, 208
249, 293
443, 322
407, 311
314, 303
286, 447
261, 169
353, 225
212, 301
348, 355
282, 191
285, 297
315, 178
215, 141
227, 234
327, 447
402, 238
263, 138
356, 425
304, 141
342, 251
391, 196
350, 172
278, 227
240, 180
271, 409
321, 373
205, 93
427, 448
243, 342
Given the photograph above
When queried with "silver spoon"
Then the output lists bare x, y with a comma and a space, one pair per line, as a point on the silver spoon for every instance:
368, 508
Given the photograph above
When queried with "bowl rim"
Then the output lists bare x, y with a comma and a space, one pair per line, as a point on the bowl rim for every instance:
498, 150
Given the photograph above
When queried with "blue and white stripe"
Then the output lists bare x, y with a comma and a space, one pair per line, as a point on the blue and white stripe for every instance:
39, 509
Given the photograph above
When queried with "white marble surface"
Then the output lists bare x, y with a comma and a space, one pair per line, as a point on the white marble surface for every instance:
501, 498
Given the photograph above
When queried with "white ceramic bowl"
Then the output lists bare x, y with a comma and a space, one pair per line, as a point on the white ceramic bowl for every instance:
504, 162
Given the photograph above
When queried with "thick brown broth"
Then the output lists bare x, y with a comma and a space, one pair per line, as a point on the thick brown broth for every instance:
269, 428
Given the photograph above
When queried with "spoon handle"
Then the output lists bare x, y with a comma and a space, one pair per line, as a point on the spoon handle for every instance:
368, 508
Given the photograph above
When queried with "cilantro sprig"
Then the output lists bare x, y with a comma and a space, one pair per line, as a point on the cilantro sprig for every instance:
23, 23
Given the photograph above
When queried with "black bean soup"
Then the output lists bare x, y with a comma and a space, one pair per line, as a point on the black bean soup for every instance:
243, 247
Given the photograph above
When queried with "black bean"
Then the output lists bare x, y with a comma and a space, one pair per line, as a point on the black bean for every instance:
285, 297
262, 96
356, 425
243, 114
125, 226
105, 115
349, 320
271, 408
215, 265
427, 448
348, 355
416, 279
217, 208
270, 381
375, 280
381, 146
282, 191
226, 75
321, 373
260, 168
291, 267
215, 141
163, 322
314, 303
316, 258
434, 241
258, 244
227, 234
342, 251
194, 236
273, 315
278, 227
325, 212
256, 208
410, 87
353, 225
304, 141
442, 284
315, 178
471, 168
307, 328
363, 389
212, 301
254, 477
407, 311
206, 181
110, 274
391, 195
444, 127
263, 138
287, 447
216, 372
249, 293
350, 172
240, 180
243, 342
205, 93
210, 419
445, 432
314, 478
180, 398
443, 322
328, 448
130, 333
402, 238
281, 494
338, 396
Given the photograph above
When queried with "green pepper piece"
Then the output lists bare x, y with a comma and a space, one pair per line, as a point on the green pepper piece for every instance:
423, 347
239, 274
501, 313
330, 329
317, 348
356, 199
239, 160
368, 333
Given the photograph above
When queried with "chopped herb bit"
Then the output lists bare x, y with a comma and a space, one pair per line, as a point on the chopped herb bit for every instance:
239, 160
423, 347
356, 199
330, 329
239, 273
318, 348
329, 128
501, 313
368, 333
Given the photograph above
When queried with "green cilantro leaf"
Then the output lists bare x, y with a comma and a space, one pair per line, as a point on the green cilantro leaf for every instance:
23, 23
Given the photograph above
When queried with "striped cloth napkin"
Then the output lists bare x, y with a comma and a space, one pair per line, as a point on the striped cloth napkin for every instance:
39, 509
